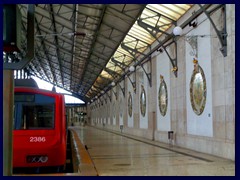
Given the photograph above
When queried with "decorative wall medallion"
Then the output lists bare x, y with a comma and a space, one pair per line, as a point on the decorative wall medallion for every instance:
121, 107
143, 101
114, 110
162, 97
130, 104
198, 89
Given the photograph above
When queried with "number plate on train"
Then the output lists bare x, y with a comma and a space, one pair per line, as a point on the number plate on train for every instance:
37, 139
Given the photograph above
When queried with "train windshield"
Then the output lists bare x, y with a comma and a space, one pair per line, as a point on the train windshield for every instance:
33, 111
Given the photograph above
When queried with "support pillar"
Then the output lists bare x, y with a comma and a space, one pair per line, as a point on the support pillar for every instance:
8, 98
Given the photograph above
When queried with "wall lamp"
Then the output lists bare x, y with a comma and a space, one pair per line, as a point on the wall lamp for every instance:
113, 83
131, 68
177, 31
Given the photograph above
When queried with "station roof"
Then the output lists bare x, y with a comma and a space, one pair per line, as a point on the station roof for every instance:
82, 48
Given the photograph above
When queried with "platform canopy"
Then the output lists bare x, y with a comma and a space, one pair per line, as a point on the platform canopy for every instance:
83, 48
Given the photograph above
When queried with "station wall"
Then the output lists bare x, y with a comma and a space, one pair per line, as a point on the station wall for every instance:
212, 131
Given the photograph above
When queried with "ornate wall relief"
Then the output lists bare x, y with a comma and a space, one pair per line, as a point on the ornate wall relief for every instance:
162, 96
114, 110
198, 89
121, 107
143, 101
130, 104
116, 95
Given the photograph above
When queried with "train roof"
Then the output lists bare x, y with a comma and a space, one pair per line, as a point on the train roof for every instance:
25, 83
22, 89
30, 86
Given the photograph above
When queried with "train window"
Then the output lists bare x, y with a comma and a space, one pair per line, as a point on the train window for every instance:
33, 111
24, 97
36, 117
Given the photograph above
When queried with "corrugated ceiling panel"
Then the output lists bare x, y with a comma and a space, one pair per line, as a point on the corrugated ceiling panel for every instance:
150, 15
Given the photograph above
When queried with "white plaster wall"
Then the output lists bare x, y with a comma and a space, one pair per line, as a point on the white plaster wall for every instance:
200, 125
163, 68
114, 111
113, 107
215, 136
108, 116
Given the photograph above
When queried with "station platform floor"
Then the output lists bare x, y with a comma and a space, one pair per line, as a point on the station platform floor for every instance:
117, 154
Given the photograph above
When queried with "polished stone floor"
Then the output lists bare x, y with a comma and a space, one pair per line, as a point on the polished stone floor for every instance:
117, 155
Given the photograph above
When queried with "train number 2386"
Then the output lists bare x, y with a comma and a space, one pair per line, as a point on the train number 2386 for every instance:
37, 139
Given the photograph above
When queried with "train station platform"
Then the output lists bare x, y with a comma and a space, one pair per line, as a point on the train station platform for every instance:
116, 154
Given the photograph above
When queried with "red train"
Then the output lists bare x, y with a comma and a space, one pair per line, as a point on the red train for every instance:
40, 128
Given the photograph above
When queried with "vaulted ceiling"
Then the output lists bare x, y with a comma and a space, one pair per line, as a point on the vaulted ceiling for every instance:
82, 48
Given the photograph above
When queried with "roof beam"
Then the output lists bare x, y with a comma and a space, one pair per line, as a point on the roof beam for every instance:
46, 53
51, 12
114, 74
134, 52
74, 26
139, 13
94, 40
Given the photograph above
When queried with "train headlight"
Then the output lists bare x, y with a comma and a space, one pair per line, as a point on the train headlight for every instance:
37, 159
43, 159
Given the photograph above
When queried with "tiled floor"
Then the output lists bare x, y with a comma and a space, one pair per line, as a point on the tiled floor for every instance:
116, 155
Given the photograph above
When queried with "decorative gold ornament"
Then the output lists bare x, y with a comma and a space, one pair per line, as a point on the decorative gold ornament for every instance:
196, 66
161, 78
195, 61
174, 69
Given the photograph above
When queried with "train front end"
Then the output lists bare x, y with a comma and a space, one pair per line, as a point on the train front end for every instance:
39, 136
